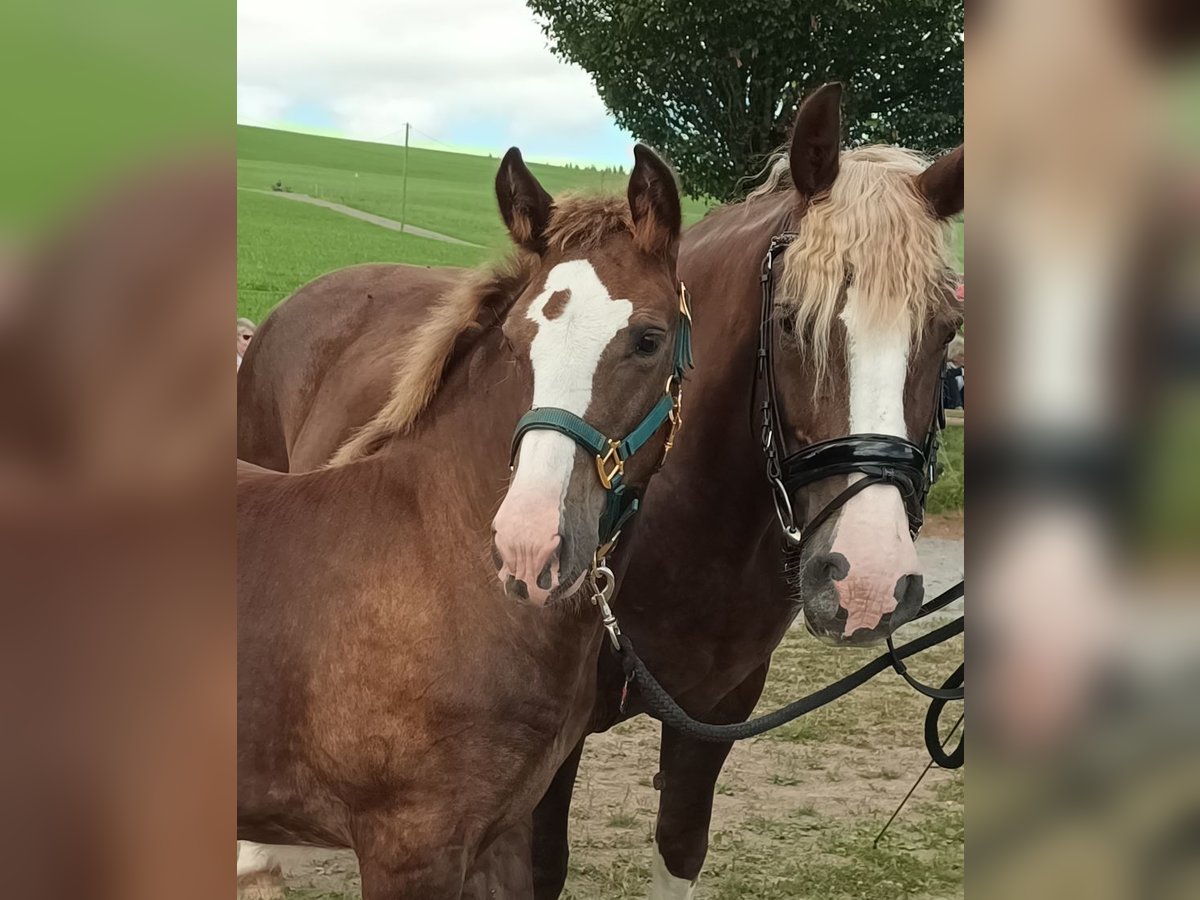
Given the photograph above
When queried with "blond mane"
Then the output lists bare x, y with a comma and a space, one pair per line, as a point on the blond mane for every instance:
423, 356
872, 227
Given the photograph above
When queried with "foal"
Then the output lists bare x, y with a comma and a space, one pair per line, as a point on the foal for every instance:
402, 690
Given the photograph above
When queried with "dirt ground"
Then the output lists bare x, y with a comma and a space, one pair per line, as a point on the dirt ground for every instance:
796, 812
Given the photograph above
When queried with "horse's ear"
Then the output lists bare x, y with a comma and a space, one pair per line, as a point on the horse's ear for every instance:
654, 203
817, 141
524, 204
942, 184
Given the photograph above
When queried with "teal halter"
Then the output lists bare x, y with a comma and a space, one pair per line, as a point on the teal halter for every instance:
621, 502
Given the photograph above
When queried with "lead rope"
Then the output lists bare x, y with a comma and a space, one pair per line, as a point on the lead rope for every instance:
660, 705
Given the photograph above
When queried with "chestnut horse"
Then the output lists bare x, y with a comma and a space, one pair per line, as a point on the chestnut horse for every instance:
865, 308
402, 690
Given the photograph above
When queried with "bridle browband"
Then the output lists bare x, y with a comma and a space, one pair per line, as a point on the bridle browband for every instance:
878, 458
621, 501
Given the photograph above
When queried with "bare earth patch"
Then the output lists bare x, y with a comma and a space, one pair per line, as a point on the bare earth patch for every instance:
944, 525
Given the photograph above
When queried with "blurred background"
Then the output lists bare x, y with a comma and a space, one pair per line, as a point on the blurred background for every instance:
1083, 118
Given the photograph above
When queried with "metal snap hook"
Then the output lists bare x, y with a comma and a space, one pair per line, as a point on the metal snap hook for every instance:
600, 597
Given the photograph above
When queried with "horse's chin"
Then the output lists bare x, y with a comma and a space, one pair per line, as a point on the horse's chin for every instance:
859, 640
567, 590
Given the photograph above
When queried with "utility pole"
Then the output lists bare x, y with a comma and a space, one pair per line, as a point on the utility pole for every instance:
404, 189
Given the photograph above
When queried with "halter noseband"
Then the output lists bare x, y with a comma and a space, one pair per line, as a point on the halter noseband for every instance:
879, 458
621, 501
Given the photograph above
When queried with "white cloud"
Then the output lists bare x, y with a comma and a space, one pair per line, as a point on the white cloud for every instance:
477, 71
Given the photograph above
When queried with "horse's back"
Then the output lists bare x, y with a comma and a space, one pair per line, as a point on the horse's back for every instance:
322, 363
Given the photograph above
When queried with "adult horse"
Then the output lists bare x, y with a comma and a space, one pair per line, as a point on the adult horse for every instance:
393, 696
862, 312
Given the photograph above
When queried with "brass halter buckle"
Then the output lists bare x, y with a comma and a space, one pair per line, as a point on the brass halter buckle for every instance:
610, 465
675, 417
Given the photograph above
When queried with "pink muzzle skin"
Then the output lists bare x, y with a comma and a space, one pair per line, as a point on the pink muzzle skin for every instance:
872, 534
527, 541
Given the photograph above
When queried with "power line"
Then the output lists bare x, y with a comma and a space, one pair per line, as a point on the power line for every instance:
409, 126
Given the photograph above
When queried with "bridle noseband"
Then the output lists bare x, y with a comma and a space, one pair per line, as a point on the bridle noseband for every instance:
621, 501
878, 458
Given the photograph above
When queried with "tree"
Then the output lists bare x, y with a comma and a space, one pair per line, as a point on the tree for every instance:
714, 84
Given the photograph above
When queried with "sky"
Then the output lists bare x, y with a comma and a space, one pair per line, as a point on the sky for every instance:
476, 75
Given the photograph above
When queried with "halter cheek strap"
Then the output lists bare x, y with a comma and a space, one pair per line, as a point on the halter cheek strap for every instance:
621, 501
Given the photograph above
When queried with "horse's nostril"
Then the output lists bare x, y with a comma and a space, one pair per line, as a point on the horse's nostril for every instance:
517, 588
910, 591
834, 566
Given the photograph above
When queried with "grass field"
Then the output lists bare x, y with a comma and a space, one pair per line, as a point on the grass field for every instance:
283, 244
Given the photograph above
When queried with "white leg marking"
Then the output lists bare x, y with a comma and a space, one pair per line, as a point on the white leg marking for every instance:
252, 857
666, 886
258, 873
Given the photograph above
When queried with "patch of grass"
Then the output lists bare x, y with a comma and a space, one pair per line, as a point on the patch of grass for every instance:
453, 193
283, 244
948, 494
622, 819
920, 856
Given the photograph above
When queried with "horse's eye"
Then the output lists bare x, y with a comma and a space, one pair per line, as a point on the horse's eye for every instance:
787, 324
648, 344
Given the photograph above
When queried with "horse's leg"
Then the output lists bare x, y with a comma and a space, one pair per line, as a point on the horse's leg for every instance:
259, 876
551, 849
404, 858
504, 870
688, 778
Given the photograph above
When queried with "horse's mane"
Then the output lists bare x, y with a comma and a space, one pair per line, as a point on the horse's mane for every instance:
873, 227
423, 356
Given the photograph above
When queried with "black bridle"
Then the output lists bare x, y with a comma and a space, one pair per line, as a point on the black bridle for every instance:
878, 458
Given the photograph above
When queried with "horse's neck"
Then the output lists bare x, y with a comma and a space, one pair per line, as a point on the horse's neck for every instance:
457, 450
721, 457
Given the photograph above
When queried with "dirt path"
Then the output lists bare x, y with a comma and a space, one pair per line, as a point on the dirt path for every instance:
367, 217
795, 812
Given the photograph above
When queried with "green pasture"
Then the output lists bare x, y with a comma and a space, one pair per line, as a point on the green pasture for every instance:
282, 243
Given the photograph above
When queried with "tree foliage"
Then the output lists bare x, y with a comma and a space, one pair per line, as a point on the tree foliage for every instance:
714, 84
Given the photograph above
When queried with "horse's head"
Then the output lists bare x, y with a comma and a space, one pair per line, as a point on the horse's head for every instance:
864, 308
595, 333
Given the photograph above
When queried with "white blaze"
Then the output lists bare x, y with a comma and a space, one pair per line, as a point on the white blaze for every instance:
565, 353
872, 528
